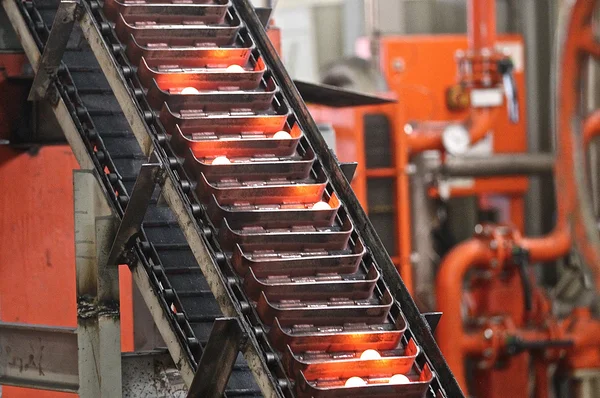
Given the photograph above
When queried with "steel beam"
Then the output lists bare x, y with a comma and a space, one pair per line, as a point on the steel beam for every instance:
422, 242
150, 175
38, 357
45, 358
226, 339
98, 323
54, 50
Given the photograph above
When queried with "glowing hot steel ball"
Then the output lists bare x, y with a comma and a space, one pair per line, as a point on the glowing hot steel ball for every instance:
282, 135
325, 206
355, 382
190, 90
235, 68
370, 354
399, 379
221, 160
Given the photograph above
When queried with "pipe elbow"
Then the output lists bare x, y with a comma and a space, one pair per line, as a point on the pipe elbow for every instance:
591, 127
474, 252
549, 247
480, 123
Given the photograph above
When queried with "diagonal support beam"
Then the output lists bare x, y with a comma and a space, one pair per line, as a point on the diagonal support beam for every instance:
225, 342
54, 49
150, 175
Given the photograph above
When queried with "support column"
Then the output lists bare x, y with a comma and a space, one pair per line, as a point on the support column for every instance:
98, 322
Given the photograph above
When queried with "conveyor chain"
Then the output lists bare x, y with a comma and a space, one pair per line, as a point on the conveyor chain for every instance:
263, 207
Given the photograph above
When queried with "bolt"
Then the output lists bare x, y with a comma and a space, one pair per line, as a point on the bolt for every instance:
408, 128
410, 169
488, 334
478, 229
482, 365
415, 258
399, 65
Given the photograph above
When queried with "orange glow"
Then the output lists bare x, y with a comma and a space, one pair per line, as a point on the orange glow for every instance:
190, 90
369, 354
399, 379
235, 68
355, 382
221, 160
282, 135
325, 206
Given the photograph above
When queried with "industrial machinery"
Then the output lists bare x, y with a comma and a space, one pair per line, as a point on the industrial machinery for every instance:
407, 152
558, 330
506, 322
204, 172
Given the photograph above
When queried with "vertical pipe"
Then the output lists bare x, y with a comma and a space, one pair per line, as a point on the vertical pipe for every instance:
481, 24
372, 29
449, 287
422, 243
536, 30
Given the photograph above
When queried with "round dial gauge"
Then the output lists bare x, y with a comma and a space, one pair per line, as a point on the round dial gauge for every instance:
456, 139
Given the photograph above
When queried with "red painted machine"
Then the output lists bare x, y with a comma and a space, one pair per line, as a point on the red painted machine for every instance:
500, 329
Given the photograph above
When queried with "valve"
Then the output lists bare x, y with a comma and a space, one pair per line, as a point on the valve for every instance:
506, 67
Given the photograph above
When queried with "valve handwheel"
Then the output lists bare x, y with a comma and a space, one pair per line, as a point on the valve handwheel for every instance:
577, 46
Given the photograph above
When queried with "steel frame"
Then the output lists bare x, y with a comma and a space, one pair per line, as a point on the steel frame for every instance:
170, 193
54, 50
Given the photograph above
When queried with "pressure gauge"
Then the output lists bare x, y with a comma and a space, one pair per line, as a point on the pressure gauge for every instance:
456, 139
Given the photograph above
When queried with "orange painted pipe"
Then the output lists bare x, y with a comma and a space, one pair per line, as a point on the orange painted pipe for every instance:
473, 344
481, 26
429, 138
591, 127
549, 247
449, 282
